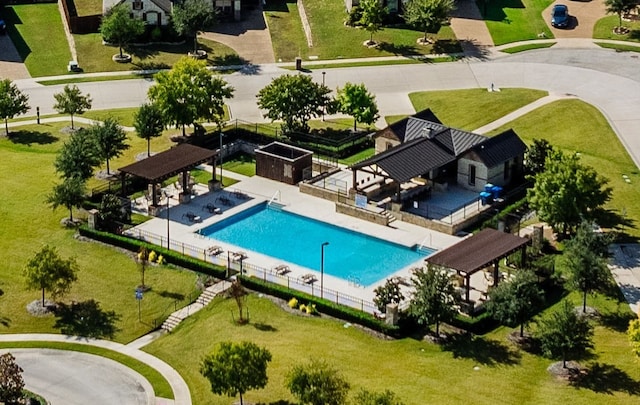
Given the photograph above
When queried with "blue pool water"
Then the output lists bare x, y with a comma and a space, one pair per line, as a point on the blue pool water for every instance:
297, 239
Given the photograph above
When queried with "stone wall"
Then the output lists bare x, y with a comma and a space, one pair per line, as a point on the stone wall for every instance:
360, 213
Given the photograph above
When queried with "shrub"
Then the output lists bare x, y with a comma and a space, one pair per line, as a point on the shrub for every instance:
354, 17
310, 309
153, 256
293, 303
161, 260
303, 308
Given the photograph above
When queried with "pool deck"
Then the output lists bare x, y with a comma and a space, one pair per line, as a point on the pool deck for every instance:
256, 190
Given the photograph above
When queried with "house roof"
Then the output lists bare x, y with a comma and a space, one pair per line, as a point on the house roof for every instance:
397, 129
499, 148
478, 251
169, 163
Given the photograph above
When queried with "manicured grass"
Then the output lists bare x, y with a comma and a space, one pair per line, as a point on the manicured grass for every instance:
106, 275
417, 371
590, 135
479, 105
94, 79
243, 164
36, 31
604, 29
160, 385
367, 153
88, 7
326, 19
516, 20
407, 61
618, 47
528, 47
123, 115
93, 56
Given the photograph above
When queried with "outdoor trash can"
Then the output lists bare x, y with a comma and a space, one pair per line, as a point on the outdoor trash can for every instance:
485, 197
497, 191
488, 187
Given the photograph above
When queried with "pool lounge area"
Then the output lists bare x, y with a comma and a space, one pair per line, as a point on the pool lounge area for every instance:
186, 235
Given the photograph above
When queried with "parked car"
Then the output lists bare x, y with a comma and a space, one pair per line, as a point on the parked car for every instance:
560, 16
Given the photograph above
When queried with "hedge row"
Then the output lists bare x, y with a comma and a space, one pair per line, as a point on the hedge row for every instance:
326, 307
170, 256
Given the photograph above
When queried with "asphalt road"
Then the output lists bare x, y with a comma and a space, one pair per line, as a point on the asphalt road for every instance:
75, 378
605, 78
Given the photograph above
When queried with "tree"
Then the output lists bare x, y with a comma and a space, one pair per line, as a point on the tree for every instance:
12, 102
11, 381
536, 155
149, 123
190, 17
584, 258
567, 192
188, 92
356, 101
387, 397
294, 99
435, 298
239, 294
316, 383
564, 333
110, 212
619, 7
48, 271
235, 368
143, 261
77, 157
118, 27
373, 15
387, 294
516, 301
634, 336
71, 101
428, 15
69, 194
110, 139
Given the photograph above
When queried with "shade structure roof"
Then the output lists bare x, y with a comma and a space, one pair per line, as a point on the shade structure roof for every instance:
478, 251
169, 163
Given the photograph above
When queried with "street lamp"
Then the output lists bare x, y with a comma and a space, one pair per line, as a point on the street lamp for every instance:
167, 196
322, 269
324, 107
221, 135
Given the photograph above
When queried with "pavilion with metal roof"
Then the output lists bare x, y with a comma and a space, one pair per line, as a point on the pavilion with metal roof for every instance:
157, 168
477, 252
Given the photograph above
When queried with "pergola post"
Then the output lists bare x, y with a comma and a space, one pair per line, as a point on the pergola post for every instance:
523, 257
123, 188
467, 285
496, 272
354, 179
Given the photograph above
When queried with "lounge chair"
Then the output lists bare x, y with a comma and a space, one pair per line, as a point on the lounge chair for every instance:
192, 217
214, 250
282, 269
238, 256
308, 278
212, 209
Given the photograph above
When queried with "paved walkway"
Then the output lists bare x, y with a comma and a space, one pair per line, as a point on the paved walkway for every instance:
625, 266
470, 29
177, 383
11, 66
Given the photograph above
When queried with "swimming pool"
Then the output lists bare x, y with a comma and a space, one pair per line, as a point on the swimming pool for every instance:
296, 239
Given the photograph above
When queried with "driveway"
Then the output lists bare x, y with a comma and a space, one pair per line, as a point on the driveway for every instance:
584, 15
250, 38
11, 66
75, 378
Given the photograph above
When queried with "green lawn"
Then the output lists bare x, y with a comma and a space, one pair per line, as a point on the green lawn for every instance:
326, 18
36, 31
160, 385
619, 47
418, 371
124, 76
528, 47
590, 135
106, 275
604, 29
93, 56
516, 20
479, 105
88, 7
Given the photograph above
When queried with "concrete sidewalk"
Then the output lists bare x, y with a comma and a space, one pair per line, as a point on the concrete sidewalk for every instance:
178, 385
625, 267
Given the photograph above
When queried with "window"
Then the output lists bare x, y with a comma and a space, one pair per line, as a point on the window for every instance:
472, 175
137, 5
389, 145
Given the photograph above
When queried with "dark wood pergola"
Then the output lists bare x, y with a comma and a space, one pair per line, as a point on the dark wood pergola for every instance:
157, 168
477, 252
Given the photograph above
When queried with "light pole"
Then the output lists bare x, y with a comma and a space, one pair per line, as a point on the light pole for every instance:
322, 269
167, 196
324, 107
221, 185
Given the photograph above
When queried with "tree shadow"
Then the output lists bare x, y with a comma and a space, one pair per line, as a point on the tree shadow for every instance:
250, 69
494, 10
605, 379
484, 351
24, 137
617, 321
170, 294
614, 220
263, 327
4, 321
277, 5
86, 319
279, 402
634, 34
398, 49
446, 46
226, 60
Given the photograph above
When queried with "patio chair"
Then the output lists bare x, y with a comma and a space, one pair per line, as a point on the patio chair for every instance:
212, 209
282, 269
308, 278
192, 217
214, 250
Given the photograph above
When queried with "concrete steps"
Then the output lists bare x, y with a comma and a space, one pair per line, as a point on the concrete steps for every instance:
202, 301
389, 216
